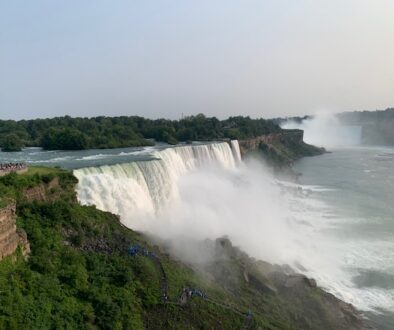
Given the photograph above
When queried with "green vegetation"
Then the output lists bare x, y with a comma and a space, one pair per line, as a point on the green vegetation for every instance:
80, 276
68, 138
13, 185
12, 142
42, 171
115, 132
4, 202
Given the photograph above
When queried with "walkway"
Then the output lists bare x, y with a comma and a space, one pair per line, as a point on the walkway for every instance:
187, 293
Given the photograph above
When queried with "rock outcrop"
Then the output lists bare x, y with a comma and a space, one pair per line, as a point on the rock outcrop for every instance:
307, 305
281, 149
42, 192
10, 236
295, 136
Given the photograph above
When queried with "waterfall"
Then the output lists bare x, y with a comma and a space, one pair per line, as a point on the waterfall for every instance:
139, 189
236, 150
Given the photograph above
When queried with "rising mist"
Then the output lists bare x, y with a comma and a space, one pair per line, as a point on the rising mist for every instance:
326, 130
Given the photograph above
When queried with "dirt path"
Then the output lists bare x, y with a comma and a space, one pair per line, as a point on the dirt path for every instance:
188, 293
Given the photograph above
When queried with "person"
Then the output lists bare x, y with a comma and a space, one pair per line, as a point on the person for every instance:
133, 250
12, 167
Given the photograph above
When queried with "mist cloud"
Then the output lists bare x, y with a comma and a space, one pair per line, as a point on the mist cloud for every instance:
326, 130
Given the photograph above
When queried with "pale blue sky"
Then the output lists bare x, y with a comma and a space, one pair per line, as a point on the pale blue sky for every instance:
220, 57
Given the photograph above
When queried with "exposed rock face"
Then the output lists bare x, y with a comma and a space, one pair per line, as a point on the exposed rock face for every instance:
280, 150
10, 237
39, 193
296, 136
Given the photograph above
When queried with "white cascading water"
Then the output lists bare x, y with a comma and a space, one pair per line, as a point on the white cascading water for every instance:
140, 189
190, 193
236, 150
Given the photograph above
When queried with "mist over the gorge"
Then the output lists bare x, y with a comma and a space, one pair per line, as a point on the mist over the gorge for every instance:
325, 129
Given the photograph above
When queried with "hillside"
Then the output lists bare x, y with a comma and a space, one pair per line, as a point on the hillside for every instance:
80, 275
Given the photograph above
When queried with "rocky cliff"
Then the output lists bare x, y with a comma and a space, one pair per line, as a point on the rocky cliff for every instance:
10, 237
42, 192
280, 149
296, 136
46, 189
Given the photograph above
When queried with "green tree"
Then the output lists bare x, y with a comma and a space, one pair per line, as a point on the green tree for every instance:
12, 142
64, 139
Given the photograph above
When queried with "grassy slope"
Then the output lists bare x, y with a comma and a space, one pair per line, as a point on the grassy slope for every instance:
79, 276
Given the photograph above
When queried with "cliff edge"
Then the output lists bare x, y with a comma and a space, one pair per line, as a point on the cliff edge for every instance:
10, 236
281, 149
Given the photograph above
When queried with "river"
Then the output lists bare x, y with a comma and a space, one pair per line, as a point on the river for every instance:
351, 196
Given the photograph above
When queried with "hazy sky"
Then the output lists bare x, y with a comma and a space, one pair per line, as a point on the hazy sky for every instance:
221, 57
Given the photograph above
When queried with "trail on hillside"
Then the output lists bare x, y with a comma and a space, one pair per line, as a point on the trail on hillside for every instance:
187, 293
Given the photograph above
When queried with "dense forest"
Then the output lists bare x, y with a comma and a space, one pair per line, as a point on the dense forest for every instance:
115, 132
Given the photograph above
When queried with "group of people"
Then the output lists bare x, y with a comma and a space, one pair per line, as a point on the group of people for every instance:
193, 293
12, 167
136, 249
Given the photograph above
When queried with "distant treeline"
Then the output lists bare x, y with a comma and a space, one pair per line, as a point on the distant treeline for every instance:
366, 117
66, 133
377, 126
